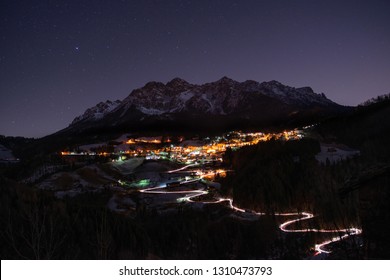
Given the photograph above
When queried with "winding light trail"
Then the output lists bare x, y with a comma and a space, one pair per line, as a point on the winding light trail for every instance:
319, 248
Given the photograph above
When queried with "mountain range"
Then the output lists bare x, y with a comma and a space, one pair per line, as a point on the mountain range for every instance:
220, 105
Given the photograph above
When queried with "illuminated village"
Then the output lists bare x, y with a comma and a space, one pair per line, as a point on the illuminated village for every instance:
193, 162
185, 151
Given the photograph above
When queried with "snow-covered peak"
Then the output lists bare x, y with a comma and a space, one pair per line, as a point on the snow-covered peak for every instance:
97, 112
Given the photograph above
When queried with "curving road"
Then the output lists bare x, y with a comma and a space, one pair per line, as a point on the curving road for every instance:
319, 248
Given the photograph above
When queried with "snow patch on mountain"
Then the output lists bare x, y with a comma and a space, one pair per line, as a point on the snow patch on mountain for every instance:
210, 103
97, 112
185, 96
151, 111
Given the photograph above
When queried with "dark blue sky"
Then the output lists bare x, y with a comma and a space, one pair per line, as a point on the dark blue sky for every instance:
58, 58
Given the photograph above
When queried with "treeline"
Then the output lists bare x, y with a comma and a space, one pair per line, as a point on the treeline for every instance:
36, 225
378, 99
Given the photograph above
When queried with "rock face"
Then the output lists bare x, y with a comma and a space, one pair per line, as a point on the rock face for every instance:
224, 102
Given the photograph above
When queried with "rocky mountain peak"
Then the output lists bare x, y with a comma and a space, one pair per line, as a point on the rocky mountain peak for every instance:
153, 85
98, 111
177, 82
226, 82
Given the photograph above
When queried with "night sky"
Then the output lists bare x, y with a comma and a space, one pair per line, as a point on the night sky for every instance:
57, 58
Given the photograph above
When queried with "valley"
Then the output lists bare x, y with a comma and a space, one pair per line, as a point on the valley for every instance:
164, 174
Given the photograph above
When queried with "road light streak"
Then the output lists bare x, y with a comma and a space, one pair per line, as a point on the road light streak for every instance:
319, 248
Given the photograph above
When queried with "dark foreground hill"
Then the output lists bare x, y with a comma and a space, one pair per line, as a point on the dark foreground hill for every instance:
279, 176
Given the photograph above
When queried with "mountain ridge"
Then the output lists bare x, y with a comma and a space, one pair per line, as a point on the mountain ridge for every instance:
224, 97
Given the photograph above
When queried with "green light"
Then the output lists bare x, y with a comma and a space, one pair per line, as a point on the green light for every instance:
141, 183
144, 182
